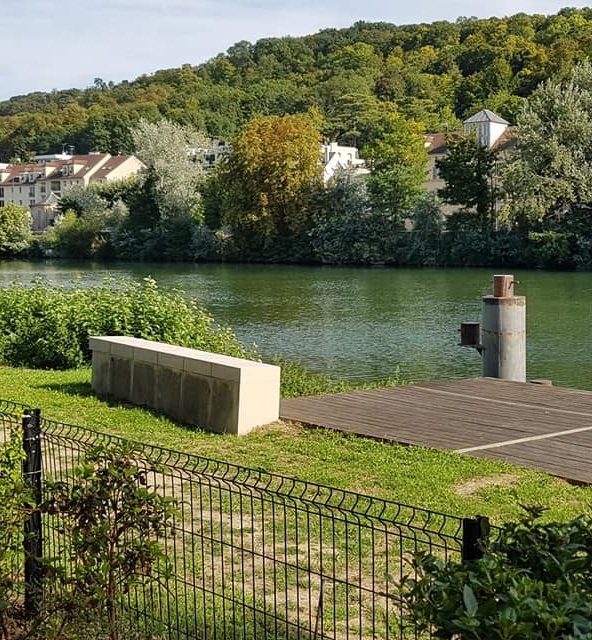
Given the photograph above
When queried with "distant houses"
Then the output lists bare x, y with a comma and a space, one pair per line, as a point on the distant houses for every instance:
337, 157
38, 186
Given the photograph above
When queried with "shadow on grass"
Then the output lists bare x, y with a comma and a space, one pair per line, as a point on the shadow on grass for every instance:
82, 389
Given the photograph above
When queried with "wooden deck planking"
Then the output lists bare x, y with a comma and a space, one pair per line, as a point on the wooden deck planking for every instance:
466, 413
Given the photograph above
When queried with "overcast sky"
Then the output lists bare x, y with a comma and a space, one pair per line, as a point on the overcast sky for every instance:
56, 44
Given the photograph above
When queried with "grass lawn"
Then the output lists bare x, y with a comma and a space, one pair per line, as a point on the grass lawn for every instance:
448, 482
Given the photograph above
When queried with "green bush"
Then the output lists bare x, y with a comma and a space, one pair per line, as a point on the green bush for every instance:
534, 583
47, 327
114, 521
15, 230
14, 509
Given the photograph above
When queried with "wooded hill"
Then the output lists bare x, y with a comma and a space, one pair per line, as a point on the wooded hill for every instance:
435, 73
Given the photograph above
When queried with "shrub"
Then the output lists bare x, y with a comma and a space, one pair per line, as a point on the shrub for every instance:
14, 501
48, 327
15, 229
298, 381
549, 248
113, 522
76, 237
533, 583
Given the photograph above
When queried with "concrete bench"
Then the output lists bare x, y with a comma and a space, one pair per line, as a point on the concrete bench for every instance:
215, 392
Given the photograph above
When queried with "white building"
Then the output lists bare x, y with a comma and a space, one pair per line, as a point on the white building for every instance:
488, 127
336, 157
39, 186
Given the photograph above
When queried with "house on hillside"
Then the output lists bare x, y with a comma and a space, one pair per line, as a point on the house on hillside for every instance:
39, 185
491, 131
336, 157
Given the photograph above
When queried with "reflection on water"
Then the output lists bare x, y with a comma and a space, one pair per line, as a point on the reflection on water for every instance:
363, 323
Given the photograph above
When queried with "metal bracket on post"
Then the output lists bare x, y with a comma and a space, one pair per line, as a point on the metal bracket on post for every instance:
33, 534
470, 335
475, 533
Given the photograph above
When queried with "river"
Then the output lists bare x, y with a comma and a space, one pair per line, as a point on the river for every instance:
364, 322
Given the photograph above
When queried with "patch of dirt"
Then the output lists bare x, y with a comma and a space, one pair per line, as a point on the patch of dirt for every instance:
475, 485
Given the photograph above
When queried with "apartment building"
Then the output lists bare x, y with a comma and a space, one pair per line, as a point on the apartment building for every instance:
39, 185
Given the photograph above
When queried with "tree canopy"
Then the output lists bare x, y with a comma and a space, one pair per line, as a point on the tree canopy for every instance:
550, 175
271, 174
15, 229
436, 73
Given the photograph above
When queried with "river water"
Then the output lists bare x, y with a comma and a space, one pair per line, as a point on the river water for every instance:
364, 322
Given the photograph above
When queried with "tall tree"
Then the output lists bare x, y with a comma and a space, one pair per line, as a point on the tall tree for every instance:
468, 171
550, 175
397, 157
271, 174
172, 154
15, 229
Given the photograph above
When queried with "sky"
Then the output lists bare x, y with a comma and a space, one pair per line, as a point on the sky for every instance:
59, 44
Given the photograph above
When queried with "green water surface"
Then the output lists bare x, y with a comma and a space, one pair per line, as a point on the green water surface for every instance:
363, 322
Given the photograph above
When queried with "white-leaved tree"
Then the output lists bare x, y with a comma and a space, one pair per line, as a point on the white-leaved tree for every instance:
172, 154
549, 178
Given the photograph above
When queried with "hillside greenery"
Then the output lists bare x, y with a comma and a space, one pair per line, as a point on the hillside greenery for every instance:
435, 73
378, 86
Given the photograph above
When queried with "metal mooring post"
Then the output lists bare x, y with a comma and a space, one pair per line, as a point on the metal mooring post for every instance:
500, 337
503, 332
33, 539
474, 532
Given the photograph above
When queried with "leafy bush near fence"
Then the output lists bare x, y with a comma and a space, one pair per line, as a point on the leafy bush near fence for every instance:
534, 583
14, 506
113, 522
47, 327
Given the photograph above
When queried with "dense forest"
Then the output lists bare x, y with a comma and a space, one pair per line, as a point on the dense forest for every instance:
435, 73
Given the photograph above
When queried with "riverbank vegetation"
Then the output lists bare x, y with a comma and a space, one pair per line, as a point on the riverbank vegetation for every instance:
376, 86
266, 206
48, 327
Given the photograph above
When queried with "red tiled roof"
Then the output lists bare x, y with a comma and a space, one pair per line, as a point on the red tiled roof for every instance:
109, 166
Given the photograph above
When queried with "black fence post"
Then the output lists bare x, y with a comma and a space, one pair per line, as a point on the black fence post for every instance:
475, 533
33, 540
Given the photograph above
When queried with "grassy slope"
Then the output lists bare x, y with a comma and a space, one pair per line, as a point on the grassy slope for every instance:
407, 474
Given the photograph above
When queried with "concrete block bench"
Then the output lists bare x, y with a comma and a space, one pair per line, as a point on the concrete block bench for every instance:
215, 392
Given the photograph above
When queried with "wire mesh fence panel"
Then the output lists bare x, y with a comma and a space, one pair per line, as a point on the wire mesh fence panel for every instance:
251, 554
255, 555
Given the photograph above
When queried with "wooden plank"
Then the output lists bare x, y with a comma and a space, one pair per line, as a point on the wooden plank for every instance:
463, 414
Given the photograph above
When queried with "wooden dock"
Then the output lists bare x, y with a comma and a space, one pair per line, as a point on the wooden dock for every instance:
546, 428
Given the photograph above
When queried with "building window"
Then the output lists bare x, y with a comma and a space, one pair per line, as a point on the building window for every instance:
31, 202
55, 186
1, 192
31, 192
1, 203
43, 188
